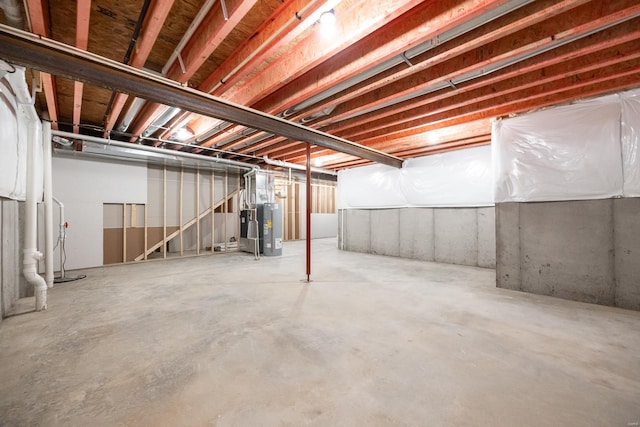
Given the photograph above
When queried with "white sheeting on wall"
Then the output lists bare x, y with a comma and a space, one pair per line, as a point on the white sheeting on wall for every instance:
586, 150
18, 123
564, 153
631, 142
454, 179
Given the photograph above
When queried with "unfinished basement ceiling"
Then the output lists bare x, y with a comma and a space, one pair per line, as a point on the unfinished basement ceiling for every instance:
405, 77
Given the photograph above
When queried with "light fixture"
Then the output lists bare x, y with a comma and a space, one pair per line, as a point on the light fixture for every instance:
318, 162
328, 18
182, 134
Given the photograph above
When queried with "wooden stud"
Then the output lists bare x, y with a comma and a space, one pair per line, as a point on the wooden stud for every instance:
134, 215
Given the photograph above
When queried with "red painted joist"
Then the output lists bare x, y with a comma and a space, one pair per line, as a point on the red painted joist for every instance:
278, 30
355, 20
519, 84
83, 12
521, 42
38, 11
209, 35
512, 104
607, 39
155, 19
517, 20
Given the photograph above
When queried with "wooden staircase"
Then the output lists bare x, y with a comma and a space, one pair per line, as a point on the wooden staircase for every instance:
186, 225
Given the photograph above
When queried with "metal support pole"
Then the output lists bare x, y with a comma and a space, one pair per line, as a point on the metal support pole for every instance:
308, 211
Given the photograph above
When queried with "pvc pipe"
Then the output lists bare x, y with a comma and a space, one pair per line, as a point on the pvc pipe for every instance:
48, 203
62, 233
290, 165
30, 253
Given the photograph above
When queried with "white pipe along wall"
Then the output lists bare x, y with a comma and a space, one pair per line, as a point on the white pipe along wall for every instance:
30, 252
48, 203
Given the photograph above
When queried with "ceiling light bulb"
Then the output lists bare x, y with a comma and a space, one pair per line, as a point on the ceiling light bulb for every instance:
317, 163
182, 134
328, 18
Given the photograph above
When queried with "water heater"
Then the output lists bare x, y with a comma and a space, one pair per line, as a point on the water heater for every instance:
270, 220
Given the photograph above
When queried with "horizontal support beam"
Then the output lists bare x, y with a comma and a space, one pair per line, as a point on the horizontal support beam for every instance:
59, 59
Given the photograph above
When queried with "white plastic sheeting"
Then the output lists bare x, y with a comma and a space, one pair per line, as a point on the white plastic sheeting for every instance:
631, 142
19, 124
565, 153
454, 179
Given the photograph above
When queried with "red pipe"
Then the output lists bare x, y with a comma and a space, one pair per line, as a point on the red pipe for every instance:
308, 211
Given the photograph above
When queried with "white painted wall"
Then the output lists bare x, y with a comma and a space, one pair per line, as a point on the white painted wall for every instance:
84, 186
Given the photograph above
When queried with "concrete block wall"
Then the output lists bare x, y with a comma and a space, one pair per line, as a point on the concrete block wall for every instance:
580, 250
463, 236
12, 284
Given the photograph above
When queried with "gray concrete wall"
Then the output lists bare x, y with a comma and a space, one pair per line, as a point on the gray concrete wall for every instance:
12, 284
580, 250
463, 236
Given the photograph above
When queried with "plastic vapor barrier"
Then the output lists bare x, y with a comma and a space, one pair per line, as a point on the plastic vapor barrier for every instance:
18, 124
571, 152
631, 142
454, 179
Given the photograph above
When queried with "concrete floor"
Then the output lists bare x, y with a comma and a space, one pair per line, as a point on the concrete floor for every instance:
373, 340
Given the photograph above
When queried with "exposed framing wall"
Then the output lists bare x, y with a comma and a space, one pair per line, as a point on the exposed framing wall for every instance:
324, 219
184, 206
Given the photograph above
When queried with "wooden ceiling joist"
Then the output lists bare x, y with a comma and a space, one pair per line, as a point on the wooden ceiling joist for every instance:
38, 11
25, 49
155, 19
83, 12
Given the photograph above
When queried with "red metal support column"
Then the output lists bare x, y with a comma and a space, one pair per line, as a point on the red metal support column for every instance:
308, 211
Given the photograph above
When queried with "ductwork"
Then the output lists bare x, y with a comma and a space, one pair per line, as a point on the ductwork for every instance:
167, 154
288, 165
12, 13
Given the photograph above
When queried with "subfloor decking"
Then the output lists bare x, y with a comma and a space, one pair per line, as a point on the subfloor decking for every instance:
372, 341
